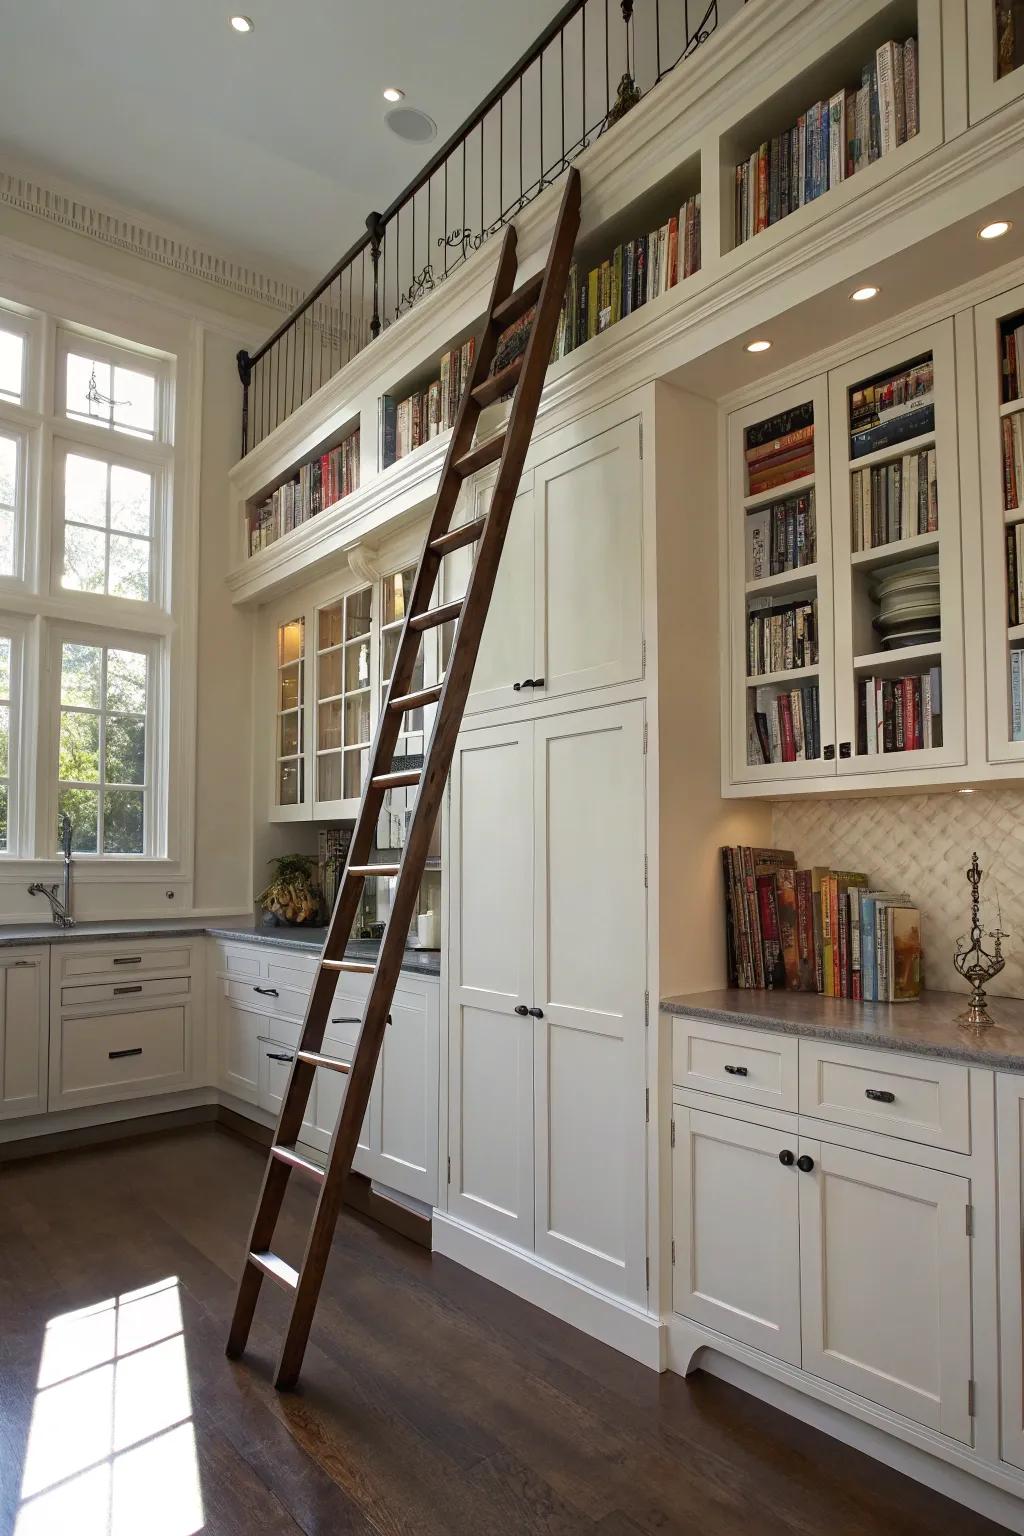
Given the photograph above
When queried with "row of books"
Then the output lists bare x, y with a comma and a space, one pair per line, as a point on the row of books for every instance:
1015, 575
781, 639
781, 537
895, 501
892, 409
405, 424
1013, 461
318, 485
817, 930
831, 141
635, 273
1016, 694
785, 726
901, 714
1011, 340
780, 449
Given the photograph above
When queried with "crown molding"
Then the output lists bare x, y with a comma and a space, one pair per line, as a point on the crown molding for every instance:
145, 240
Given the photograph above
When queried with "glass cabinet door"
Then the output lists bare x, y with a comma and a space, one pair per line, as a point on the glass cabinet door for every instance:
290, 724
344, 707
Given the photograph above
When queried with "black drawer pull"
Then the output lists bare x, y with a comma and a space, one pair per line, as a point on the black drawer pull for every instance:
267, 991
127, 960
346, 1021
736, 1071
528, 682
880, 1095
133, 1050
279, 1056
120, 991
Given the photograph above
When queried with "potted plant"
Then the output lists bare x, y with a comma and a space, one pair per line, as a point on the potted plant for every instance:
292, 895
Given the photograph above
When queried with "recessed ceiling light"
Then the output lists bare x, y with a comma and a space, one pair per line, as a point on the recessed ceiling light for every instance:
965, 790
995, 229
758, 346
242, 23
859, 295
392, 93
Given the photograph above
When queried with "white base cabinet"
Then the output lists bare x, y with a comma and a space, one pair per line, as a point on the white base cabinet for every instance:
24, 1031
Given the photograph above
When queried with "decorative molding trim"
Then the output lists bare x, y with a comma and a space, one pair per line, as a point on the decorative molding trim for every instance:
145, 242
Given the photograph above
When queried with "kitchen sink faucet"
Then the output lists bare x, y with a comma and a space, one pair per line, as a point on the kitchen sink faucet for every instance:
60, 910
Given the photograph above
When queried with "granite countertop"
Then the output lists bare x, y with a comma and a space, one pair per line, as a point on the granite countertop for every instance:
243, 929
927, 1027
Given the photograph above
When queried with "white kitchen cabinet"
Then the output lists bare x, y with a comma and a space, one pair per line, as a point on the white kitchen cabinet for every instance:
274, 1064
736, 1212
1010, 1132
238, 1030
886, 1283
100, 1056
567, 613
24, 1031
547, 965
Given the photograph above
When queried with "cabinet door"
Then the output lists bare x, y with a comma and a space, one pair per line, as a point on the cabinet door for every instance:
589, 915
406, 1131
508, 652
589, 563
24, 1035
736, 1213
490, 1092
1010, 1124
343, 1032
238, 1051
886, 1283
274, 1069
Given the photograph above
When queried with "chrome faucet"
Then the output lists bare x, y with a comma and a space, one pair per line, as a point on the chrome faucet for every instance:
60, 910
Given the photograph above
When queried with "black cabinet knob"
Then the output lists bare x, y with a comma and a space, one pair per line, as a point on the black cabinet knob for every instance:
535, 1013
880, 1095
735, 1071
828, 753
845, 749
522, 1010
805, 1163
786, 1158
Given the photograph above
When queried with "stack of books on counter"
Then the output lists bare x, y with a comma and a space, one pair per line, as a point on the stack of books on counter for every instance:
817, 930
405, 424
317, 486
831, 141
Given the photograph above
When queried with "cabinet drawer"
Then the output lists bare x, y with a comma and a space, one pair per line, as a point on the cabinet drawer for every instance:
120, 960
268, 997
912, 1097
243, 961
113, 991
118, 1055
747, 1064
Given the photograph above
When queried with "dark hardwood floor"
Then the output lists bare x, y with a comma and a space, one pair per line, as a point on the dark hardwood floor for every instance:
431, 1401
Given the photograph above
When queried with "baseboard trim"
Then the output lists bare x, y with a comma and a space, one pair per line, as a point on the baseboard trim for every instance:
107, 1131
615, 1322
993, 1491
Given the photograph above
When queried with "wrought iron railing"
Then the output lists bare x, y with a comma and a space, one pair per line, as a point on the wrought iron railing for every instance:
594, 61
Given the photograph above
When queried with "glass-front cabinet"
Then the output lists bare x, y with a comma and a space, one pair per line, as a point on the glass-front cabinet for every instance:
290, 719
995, 55
345, 715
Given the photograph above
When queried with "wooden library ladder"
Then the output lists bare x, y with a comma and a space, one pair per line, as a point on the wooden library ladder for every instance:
524, 376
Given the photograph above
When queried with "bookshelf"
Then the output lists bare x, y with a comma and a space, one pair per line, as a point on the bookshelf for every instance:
780, 559
995, 56
1000, 410
421, 405
311, 487
899, 677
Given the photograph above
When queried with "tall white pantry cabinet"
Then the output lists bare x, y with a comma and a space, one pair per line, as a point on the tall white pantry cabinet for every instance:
547, 864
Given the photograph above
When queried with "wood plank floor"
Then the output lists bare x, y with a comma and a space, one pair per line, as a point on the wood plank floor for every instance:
432, 1402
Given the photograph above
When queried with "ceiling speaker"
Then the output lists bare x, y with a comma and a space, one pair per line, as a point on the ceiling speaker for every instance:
407, 123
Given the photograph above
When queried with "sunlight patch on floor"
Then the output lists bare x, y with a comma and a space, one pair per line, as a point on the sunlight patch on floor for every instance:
111, 1448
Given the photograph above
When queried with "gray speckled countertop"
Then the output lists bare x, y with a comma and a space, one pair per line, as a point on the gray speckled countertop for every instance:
242, 929
927, 1027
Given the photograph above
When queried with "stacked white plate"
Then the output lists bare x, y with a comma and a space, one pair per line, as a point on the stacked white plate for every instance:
909, 606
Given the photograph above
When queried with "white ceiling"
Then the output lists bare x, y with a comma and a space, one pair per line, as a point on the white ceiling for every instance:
271, 146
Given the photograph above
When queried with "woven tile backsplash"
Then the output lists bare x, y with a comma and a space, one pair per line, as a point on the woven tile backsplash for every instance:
923, 844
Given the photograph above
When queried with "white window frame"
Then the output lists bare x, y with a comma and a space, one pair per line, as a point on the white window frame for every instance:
87, 343
28, 326
15, 579
107, 451
154, 813
21, 733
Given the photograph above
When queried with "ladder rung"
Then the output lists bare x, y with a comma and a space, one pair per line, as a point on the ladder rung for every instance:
407, 701
370, 871
355, 967
480, 457
396, 780
500, 383
465, 533
318, 1059
516, 305
435, 616
298, 1162
277, 1269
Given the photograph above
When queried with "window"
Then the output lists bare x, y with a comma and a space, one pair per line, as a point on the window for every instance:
12, 366
108, 527
108, 394
6, 744
10, 499
103, 783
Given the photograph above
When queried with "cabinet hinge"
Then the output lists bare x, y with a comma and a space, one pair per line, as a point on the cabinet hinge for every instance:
645, 722
969, 1223
643, 673
647, 1009
646, 871
970, 1398
673, 1250
647, 1105
672, 1134
449, 1170
647, 1270
641, 439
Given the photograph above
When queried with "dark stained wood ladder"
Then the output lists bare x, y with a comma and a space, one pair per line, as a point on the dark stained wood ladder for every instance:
507, 303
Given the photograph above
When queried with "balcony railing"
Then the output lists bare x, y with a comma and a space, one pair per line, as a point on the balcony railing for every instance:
594, 60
